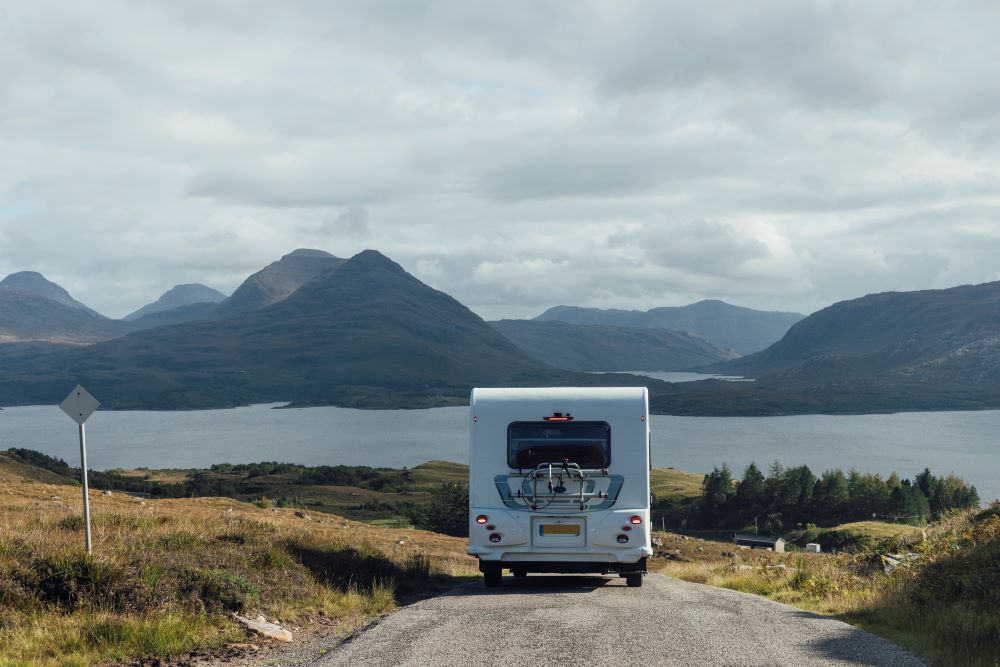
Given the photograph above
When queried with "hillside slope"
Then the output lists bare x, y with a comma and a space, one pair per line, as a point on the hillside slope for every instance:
943, 336
42, 286
204, 310
27, 316
606, 348
277, 281
926, 350
741, 329
176, 297
13, 470
167, 576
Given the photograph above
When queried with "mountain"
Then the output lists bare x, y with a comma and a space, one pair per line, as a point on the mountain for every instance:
926, 350
585, 347
935, 335
40, 285
178, 296
362, 332
741, 329
277, 280
27, 316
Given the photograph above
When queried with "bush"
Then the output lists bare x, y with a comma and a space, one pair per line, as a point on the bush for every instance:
220, 590
74, 581
449, 509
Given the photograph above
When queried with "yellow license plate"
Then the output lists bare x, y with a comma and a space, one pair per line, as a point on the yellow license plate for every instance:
560, 529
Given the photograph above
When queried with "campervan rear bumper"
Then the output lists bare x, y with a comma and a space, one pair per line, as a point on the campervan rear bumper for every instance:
610, 556
566, 567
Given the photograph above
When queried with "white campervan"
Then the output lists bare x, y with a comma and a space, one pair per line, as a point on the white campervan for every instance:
559, 481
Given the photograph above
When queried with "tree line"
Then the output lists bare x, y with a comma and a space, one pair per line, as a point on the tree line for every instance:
226, 479
788, 497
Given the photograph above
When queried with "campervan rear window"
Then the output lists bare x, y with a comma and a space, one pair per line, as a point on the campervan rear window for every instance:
587, 444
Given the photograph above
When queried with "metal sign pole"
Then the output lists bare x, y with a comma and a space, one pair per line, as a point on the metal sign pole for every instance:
86, 488
79, 405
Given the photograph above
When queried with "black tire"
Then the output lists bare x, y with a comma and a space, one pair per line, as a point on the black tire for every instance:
634, 580
519, 572
492, 577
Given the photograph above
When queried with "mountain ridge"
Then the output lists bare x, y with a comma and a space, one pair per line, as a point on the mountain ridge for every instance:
744, 330
603, 348
277, 281
892, 332
363, 332
33, 281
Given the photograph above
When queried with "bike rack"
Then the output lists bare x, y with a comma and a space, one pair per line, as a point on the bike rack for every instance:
555, 495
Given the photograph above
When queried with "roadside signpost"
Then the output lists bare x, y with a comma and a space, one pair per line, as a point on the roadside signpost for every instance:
79, 405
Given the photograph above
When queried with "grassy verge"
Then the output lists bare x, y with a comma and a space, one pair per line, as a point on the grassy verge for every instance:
943, 603
862, 536
167, 575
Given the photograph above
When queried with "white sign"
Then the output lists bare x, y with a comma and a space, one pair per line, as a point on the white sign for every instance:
79, 405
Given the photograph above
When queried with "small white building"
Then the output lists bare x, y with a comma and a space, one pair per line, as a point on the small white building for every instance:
813, 548
775, 544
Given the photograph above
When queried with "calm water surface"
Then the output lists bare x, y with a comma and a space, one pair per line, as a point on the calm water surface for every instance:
966, 443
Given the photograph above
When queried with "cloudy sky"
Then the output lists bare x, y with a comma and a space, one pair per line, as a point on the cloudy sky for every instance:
779, 155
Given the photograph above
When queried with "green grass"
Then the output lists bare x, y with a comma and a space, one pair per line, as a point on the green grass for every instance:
670, 484
429, 475
862, 536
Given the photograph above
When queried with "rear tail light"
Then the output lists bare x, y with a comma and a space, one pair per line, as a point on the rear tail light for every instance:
495, 537
622, 539
636, 520
482, 518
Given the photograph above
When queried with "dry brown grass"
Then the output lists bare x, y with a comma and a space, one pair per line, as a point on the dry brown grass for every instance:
944, 603
166, 575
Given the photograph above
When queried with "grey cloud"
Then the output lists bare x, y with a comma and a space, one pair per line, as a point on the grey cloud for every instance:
349, 221
517, 159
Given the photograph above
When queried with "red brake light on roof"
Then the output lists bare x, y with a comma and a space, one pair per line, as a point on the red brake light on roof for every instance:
482, 518
559, 417
636, 520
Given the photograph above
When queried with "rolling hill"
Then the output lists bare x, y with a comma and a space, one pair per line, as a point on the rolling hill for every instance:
741, 329
581, 347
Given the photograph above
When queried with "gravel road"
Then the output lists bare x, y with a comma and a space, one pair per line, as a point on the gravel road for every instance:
571, 620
